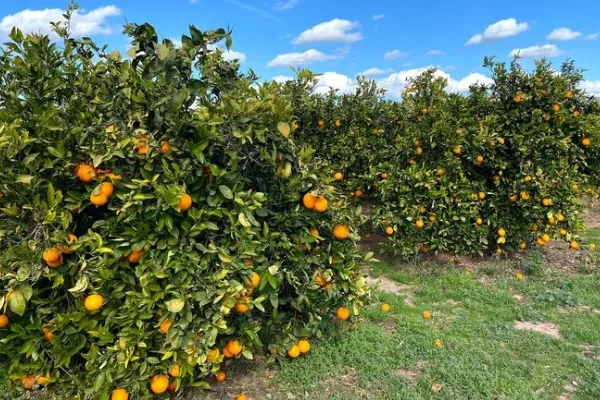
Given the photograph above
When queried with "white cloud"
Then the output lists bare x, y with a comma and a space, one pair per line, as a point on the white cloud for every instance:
230, 55
286, 4
378, 16
435, 52
563, 34
591, 87
336, 30
393, 54
593, 36
372, 72
499, 30
396, 82
334, 80
282, 78
82, 23
547, 50
294, 59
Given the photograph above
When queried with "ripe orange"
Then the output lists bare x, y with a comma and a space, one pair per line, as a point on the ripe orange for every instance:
552, 220
418, 151
517, 99
242, 397
592, 246
426, 314
99, 199
412, 161
457, 150
185, 202
253, 280
563, 232
501, 232
440, 172
422, 209
241, 308
525, 196
359, 193
540, 241
93, 302
547, 117
389, 230
384, 175
294, 351
586, 142
175, 371
321, 123
314, 232
142, 149
522, 245
227, 353
172, 387
479, 221
28, 382
547, 202
501, 140
165, 325
481, 195
424, 111
479, 160
341, 231
568, 94
534, 228
417, 142
513, 198
234, 346
165, 147
220, 376
52, 257
337, 123
4, 321
519, 276
159, 384
47, 334
86, 173
576, 114
499, 250
385, 307
546, 238
304, 346
134, 257
438, 343
574, 245
527, 178
321, 205
119, 394
419, 224
213, 355
107, 188
338, 176
556, 107
343, 313
432, 218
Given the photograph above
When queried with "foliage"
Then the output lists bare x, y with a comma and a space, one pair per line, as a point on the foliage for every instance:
180, 183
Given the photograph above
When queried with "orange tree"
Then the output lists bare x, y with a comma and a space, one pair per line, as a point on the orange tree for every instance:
156, 218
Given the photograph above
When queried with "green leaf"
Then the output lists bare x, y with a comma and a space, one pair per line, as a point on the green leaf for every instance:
284, 128
24, 179
17, 303
243, 220
162, 51
226, 192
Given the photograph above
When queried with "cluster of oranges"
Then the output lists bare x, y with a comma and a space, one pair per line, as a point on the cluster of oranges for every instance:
301, 347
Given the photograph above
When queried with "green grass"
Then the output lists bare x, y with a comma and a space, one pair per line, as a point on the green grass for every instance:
483, 357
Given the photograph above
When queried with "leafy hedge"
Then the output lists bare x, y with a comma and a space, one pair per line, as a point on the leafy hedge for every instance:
152, 220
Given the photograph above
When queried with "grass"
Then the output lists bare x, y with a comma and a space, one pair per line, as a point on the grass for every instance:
391, 356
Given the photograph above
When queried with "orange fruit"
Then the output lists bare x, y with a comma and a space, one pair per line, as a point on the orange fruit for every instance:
185, 202
540, 242
547, 117
422, 209
575, 187
337, 123
513, 198
576, 114
343, 313
525, 196
52, 257
227, 353
359, 193
220, 376
234, 346
563, 232
165, 147
134, 257
384, 175
338, 176
479, 221
592, 246
481, 195
99, 199
159, 384
242, 397
574, 245
547, 202
252, 281
107, 188
321, 123
47, 334
426, 314
419, 224
457, 150
479, 160
556, 107
4, 321
175, 371
527, 178
385, 307
389, 230
517, 99
519, 276
417, 142
294, 351
440, 172
498, 251
552, 221
412, 161
241, 308
522, 245
28, 382
341, 232
432, 218
314, 232
165, 325
119, 394
86, 173
304, 346
546, 238
321, 205
534, 228
586, 142
418, 151
93, 302
501, 232
213, 355
438, 343
172, 387
568, 94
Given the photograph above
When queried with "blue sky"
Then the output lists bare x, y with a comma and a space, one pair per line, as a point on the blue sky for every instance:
388, 40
